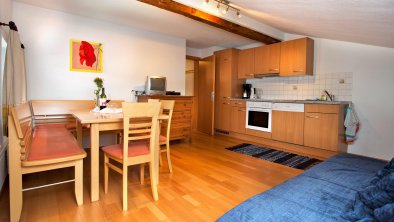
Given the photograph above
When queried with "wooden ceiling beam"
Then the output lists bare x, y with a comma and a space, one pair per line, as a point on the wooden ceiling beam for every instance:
212, 20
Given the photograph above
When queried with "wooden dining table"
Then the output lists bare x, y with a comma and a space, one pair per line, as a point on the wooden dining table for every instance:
99, 122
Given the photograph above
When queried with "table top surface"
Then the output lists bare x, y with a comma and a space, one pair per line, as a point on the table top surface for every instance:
88, 117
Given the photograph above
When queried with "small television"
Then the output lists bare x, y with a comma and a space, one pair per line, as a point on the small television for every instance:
155, 85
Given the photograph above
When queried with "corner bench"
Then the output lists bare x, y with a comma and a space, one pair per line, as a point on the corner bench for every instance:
39, 148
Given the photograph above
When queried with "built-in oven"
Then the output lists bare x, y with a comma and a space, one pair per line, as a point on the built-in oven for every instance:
259, 116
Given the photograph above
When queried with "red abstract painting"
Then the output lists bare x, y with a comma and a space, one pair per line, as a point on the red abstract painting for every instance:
85, 56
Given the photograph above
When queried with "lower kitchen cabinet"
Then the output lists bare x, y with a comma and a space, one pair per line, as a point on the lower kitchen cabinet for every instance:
238, 117
223, 116
321, 130
288, 127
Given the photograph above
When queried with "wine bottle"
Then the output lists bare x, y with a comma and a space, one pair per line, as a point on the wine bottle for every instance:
103, 100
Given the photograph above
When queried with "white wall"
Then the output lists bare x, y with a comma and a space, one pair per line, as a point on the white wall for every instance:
129, 55
373, 90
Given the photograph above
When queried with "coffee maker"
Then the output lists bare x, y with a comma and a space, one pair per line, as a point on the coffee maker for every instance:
247, 91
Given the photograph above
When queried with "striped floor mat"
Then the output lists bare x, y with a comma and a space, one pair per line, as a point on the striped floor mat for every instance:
276, 156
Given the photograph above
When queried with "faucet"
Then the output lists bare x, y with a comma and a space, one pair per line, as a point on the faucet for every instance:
329, 96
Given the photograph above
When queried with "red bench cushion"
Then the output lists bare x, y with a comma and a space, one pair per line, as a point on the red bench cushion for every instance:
52, 141
135, 149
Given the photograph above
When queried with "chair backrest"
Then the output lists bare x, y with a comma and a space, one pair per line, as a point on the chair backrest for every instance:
167, 107
22, 120
58, 111
140, 123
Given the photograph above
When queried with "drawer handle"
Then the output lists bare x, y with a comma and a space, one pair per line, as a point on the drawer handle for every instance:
238, 103
298, 70
226, 103
273, 69
250, 74
226, 97
242, 110
315, 117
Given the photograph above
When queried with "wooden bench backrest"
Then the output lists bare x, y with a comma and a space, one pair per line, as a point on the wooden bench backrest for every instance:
22, 120
58, 111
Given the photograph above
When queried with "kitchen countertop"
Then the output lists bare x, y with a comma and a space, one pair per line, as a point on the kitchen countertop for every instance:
295, 101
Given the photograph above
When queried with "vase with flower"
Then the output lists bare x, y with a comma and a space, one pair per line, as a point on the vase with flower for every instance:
99, 84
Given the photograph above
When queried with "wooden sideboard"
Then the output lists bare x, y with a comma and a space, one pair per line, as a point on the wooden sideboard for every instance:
181, 124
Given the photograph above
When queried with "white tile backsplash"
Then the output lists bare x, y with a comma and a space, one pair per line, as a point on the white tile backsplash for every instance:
306, 87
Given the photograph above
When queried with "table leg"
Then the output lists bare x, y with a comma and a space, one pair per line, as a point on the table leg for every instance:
79, 133
94, 161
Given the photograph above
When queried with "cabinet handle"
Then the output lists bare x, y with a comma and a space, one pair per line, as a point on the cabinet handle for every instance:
226, 97
238, 103
250, 74
242, 110
315, 117
273, 70
298, 70
226, 103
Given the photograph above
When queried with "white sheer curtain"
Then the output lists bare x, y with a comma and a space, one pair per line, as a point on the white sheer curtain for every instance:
14, 82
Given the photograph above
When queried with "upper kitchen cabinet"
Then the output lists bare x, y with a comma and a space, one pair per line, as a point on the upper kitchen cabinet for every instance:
267, 59
227, 83
296, 57
246, 63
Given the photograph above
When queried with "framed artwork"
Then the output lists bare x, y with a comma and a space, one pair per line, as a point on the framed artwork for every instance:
86, 56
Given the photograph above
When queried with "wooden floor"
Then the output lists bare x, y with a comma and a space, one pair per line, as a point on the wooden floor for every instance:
208, 180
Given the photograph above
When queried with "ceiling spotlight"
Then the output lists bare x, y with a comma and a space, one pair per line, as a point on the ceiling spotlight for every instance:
205, 2
224, 11
239, 14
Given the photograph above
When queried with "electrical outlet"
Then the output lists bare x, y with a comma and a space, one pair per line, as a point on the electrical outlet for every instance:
295, 87
341, 81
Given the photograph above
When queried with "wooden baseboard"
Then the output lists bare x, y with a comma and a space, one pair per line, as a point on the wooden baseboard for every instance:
301, 150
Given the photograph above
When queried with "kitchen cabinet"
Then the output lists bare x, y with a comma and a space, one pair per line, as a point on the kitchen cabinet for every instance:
246, 63
227, 85
296, 57
223, 116
324, 126
181, 122
238, 117
267, 59
288, 126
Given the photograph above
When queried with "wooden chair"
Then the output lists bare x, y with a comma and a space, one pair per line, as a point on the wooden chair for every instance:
139, 142
39, 148
166, 109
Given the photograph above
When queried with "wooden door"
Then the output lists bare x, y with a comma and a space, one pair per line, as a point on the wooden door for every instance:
224, 115
288, 126
238, 119
329, 131
261, 60
312, 130
246, 63
206, 89
225, 79
296, 57
273, 62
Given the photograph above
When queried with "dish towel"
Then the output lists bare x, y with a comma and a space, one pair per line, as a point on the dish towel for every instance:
352, 124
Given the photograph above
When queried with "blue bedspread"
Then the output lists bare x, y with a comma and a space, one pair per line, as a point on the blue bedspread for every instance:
322, 193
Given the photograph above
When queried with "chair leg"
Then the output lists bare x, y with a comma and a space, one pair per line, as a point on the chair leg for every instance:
153, 182
142, 172
106, 160
124, 187
168, 156
16, 201
79, 182
160, 158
